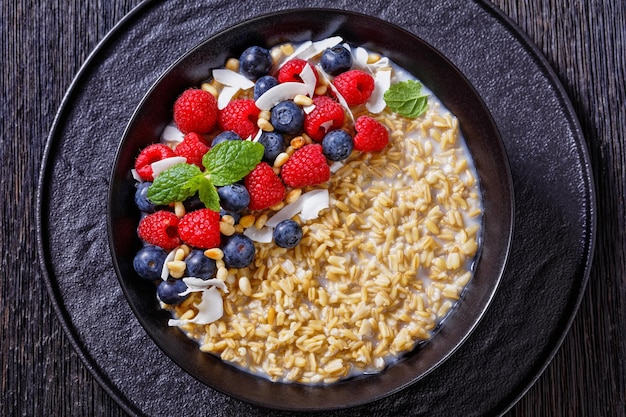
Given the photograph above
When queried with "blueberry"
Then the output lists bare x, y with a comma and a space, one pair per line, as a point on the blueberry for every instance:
224, 136
141, 198
337, 145
263, 84
274, 144
199, 265
287, 234
238, 251
336, 60
168, 291
148, 262
193, 203
234, 197
255, 62
287, 117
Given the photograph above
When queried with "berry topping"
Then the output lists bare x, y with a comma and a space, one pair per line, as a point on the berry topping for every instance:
287, 117
193, 203
160, 229
148, 262
233, 197
224, 136
263, 84
371, 136
238, 251
355, 86
307, 166
149, 155
241, 117
287, 234
198, 265
169, 291
336, 60
265, 187
290, 72
193, 148
274, 144
195, 111
326, 116
337, 145
200, 228
141, 198
255, 62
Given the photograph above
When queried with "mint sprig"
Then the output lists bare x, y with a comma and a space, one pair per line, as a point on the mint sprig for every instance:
226, 163
230, 161
406, 98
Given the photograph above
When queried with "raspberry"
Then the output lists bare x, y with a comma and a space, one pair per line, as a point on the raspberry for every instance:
264, 186
195, 111
290, 71
241, 117
150, 154
371, 136
200, 228
326, 116
307, 166
193, 148
160, 229
355, 86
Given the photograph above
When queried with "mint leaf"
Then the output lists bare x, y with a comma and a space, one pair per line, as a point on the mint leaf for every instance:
180, 182
230, 161
226, 163
406, 99
176, 183
209, 196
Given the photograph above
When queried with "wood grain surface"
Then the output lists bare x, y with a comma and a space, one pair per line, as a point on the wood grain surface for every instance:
43, 47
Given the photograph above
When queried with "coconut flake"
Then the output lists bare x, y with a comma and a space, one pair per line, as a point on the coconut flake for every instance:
165, 272
232, 79
308, 109
360, 58
316, 201
286, 212
308, 206
135, 175
263, 235
382, 63
171, 134
232, 82
318, 47
327, 125
198, 284
280, 92
336, 166
309, 49
341, 100
227, 93
382, 81
308, 78
163, 164
210, 309
301, 49
258, 135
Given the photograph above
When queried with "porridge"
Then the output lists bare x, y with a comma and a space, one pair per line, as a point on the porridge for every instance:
319, 220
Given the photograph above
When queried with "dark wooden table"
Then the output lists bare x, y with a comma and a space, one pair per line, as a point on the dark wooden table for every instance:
43, 47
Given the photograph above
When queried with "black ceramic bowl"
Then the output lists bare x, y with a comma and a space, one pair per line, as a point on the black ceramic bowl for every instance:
438, 74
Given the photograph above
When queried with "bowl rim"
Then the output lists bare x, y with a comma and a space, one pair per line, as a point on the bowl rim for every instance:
303, 397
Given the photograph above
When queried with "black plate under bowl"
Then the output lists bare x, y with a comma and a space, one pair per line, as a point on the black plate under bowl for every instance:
426, 64
438, 74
